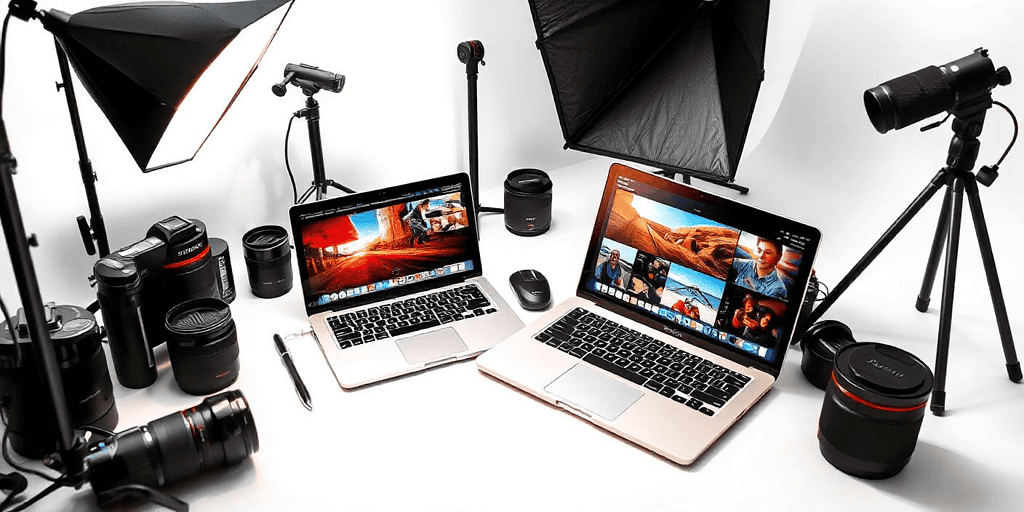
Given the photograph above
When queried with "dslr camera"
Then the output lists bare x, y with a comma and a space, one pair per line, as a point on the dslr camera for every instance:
137, 285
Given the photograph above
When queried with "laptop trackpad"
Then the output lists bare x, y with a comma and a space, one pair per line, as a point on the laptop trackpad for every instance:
431, 346
594, 392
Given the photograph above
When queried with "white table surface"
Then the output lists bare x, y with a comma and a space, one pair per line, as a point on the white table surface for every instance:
452, 439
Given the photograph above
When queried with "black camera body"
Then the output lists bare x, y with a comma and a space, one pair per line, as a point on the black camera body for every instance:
77, 341
138, 284
960, 87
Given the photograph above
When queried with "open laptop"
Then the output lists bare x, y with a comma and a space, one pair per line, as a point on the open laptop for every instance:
392, 280
680, 321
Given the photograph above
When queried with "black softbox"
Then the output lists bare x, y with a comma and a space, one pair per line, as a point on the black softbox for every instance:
666, 83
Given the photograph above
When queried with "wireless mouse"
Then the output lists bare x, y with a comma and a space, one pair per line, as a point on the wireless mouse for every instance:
531, 288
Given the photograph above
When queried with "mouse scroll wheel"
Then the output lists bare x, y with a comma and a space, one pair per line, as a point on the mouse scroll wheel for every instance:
533, 275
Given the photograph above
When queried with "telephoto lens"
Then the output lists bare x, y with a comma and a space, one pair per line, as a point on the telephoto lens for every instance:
873, 409
218, 432
31, 424
268, 260
527, 202
203, 345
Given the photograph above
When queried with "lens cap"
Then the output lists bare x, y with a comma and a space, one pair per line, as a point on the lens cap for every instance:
883, 374
527, 181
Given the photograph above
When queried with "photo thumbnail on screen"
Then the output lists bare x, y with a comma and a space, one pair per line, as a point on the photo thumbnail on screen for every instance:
614, 265
752, 317
765, 265
649, 276
695, 295
673, 234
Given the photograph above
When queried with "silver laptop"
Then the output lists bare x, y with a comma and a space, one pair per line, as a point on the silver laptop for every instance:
681, 318
392, 280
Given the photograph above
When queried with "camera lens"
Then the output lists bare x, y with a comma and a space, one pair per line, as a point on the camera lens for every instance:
268, 261
873, 409
31, 424
527, 202
203, 345
218, 432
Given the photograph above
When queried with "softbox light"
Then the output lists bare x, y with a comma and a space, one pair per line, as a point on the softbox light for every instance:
165, 73
666, 83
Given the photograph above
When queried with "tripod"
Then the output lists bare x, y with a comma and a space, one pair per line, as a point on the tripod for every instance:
957, 178
316, 149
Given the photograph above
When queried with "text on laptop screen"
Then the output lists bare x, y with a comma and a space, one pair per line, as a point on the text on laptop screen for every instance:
368, 248
723, 273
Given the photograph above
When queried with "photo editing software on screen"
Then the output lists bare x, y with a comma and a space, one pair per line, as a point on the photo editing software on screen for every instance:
369, 248
730, 281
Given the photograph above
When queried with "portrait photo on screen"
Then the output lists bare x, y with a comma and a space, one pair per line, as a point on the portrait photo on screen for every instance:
765, 265
614, 265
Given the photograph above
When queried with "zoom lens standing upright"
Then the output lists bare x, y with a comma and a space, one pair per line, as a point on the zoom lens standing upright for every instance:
268, 260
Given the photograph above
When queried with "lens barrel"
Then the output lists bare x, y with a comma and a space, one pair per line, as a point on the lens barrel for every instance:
873, 409
220, 431
31, 424
527, 202
203, 345
268, 261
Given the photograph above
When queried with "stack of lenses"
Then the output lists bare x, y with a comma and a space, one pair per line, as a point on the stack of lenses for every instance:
268, 260
203, 345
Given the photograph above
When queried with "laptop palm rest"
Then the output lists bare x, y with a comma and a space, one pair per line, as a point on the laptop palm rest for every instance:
431, 346
594, 392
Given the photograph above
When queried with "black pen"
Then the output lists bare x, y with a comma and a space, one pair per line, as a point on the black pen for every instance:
286, 358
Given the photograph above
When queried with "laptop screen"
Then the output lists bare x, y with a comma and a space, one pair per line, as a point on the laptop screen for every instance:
377, 245
704, 268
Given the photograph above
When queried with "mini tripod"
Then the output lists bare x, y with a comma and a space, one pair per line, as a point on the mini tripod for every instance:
312, 80
957, 178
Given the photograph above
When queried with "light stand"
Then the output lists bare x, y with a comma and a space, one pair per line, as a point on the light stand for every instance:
31, 298
956, 177
312, 80
93, 229
471, 53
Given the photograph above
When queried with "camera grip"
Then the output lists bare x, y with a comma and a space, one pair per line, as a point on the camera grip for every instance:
120, 298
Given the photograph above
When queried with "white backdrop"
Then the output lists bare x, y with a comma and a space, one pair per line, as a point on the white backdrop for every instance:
811, 155
400, 117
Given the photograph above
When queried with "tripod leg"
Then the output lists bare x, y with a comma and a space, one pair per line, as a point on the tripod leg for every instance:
340, 187
948, 286
1012, 364
924, 298
940, 179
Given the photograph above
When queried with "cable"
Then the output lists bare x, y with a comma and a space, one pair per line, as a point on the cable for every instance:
14, 336
3, 60
44, 493
23, 469
295, 191
1016, 129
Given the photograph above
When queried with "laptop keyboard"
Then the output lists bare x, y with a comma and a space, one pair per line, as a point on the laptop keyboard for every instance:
639, 358
410, 315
